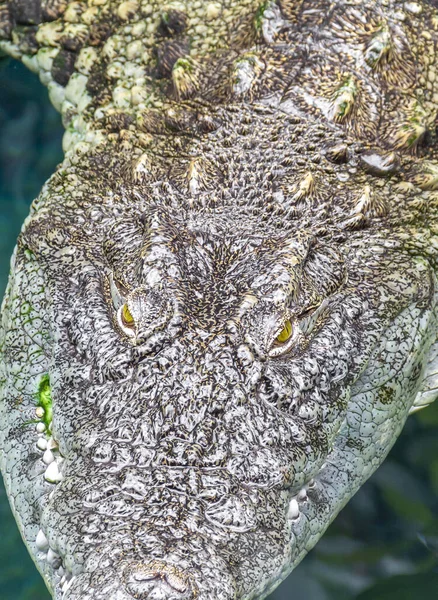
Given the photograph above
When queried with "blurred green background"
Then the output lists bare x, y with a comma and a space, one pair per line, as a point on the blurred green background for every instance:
384, 544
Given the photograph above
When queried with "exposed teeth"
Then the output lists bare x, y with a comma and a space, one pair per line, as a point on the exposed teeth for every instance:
66, 585
51, 457
294, 511
41, 428
302, 495
54, 560
42, 443
48, 457
52, 556
41, 541
52, 474
52, 444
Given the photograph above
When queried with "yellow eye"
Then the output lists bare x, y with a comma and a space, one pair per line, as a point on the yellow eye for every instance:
127, 318
285, 333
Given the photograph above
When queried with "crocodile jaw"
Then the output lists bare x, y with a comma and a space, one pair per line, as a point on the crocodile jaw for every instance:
103, 531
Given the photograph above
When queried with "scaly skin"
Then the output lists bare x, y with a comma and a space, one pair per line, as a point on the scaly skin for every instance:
222, 306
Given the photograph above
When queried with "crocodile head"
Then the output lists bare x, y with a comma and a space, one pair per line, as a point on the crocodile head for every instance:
222, 305
218, 394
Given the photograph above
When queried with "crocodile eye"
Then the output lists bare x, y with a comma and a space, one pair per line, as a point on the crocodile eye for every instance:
126, 320
284, 340
285, 334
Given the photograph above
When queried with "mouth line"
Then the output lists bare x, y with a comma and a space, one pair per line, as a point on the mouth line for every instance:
47, 554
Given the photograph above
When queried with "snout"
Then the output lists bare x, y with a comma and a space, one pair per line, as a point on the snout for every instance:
159, 581
204, 579
154, 580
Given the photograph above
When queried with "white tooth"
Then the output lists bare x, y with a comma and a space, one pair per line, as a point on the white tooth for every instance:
302, 495
294, 511
42, 444
51, 556
52, 444
41, 428
67, 584
52, 473
41, 541
48, 457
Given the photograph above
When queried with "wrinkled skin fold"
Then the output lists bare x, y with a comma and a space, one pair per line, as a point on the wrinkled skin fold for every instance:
223, 305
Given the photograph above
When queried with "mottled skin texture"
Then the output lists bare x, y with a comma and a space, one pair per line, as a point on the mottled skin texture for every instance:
232, 169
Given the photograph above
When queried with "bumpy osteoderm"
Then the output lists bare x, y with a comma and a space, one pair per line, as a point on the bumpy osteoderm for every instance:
223, 305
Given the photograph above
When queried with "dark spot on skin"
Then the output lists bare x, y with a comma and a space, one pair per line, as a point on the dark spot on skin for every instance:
97, 83
167, 55
386, 395
152, 121
118, 121
26, 12
337, 154
99, 33
173, 22
357, 444
53, 9
63, 66
416, 371
74, 44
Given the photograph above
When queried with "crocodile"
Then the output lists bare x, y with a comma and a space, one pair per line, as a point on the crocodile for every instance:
222, 307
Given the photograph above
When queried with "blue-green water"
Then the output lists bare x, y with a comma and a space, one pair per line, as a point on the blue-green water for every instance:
383, 546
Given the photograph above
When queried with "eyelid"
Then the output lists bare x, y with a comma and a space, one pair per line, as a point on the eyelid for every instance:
302, 325
116, 297
309, 320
